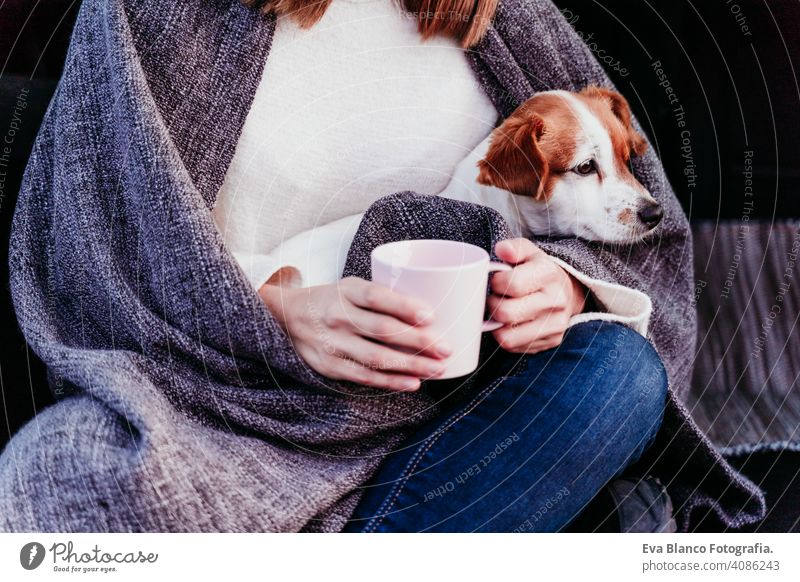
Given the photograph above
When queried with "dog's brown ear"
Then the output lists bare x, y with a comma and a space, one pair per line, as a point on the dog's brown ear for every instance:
622, 111
514, 161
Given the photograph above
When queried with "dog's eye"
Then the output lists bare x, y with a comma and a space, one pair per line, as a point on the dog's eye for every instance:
586, 168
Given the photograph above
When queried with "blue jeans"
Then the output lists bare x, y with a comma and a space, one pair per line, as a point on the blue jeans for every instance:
527, 448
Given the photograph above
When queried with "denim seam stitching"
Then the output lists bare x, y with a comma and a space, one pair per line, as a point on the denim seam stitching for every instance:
432, 439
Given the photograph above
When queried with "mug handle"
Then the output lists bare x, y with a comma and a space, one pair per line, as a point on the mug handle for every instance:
491, 324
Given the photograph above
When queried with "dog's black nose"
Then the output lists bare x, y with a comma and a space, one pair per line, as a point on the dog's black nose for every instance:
651, 215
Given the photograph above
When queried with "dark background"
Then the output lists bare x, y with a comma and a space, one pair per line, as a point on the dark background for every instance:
739, 92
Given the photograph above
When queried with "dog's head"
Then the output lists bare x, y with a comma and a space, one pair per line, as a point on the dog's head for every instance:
568, 155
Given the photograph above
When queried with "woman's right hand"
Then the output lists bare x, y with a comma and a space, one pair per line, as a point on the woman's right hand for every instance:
341, 331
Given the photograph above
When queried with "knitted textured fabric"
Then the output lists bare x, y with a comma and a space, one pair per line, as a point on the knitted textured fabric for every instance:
184, 405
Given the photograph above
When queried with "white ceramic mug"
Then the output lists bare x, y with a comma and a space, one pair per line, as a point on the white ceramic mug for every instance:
451, 277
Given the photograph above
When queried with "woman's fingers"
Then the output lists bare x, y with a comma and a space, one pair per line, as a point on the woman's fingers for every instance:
381, 299
534, 300
520, 310
510, 311
389, 317
532, 337
378, 357
389, 330
525, 278
516, 250
330, 326
338, 368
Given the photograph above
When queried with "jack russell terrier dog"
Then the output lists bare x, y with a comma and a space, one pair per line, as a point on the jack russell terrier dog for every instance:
557, 166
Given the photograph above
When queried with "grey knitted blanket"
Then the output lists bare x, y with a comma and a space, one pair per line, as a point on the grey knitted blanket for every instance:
184, 406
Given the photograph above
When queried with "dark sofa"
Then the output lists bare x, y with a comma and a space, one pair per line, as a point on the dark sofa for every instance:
716, 90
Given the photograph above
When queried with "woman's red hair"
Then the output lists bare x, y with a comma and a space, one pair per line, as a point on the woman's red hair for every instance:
464, 20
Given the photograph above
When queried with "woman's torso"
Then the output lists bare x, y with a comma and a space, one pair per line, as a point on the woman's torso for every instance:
350, 110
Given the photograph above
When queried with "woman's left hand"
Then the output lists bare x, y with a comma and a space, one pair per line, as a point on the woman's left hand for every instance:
535, 299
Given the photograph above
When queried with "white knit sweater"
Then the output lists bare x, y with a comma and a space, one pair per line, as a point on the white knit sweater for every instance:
350, 110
